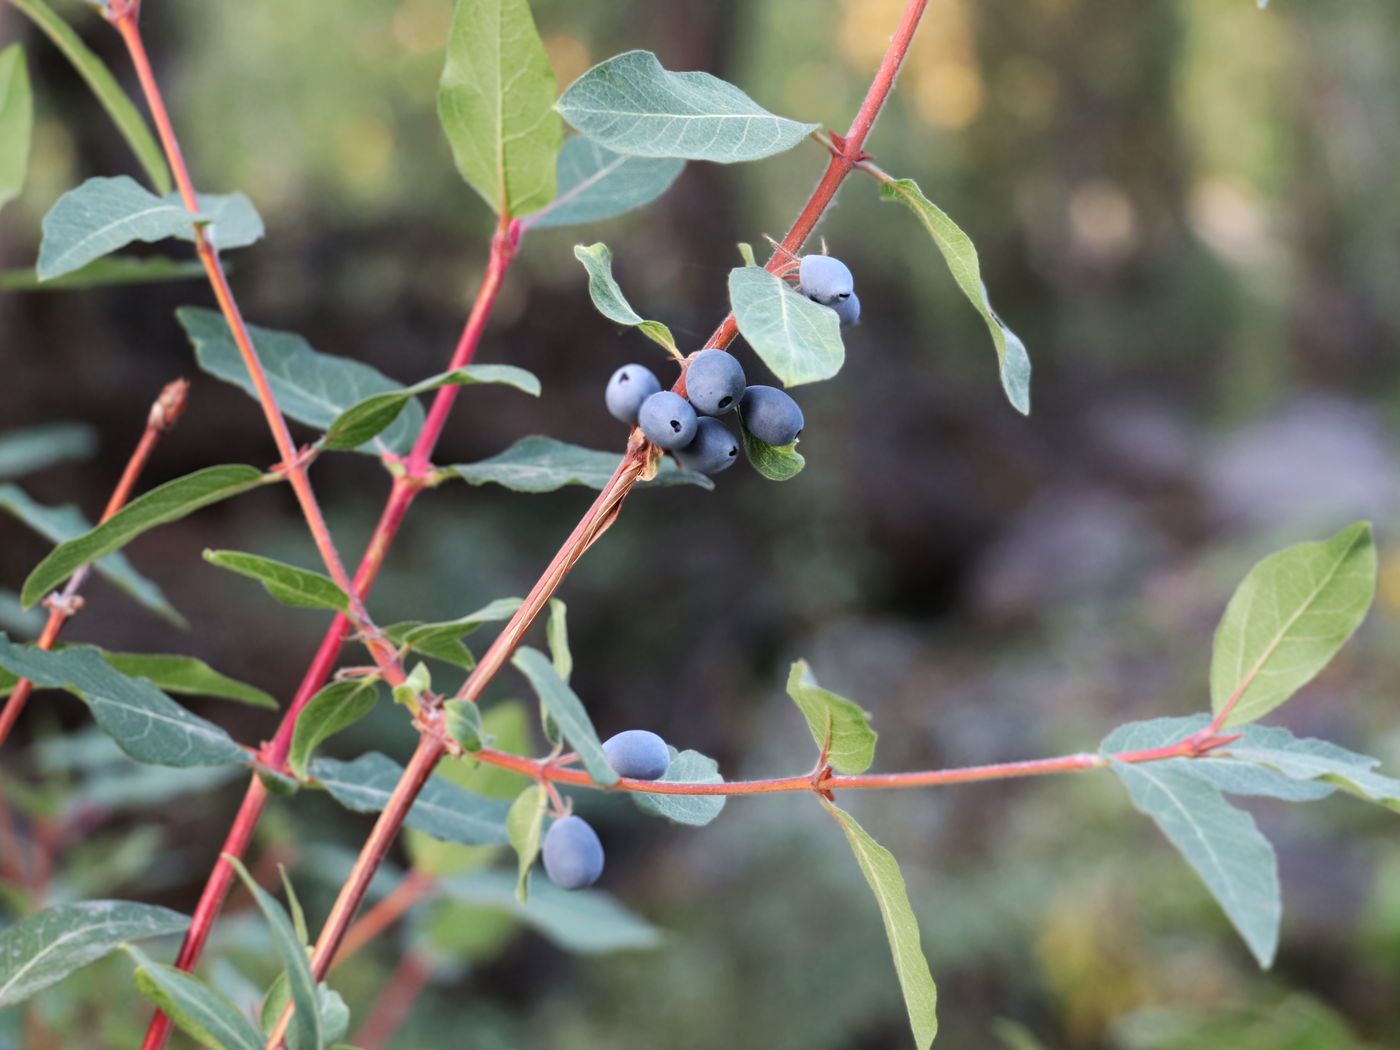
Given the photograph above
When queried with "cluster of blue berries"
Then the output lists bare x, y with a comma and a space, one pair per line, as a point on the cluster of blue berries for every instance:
573, 856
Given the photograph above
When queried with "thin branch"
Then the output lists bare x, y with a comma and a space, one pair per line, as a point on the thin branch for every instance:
392, 1005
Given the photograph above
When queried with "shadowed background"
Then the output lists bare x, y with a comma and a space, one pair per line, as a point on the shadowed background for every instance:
1186, 208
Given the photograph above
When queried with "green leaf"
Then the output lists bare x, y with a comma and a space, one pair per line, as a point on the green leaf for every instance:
287, 583
632, 105
443, 810
556, 632
961, 257
305, 1030
442, 640
34, 448
415, 684
585, 921
1316, 763
687, 767
188, 676
462, 720
366, 419
839, 727
109, 271
1220, 842
196, 1009
495, 103
104, 214
568, 712
310, 387
102, 84
60, 524
799, 340
607, 297
44, 948
881, 871
1288, 618
542, 464
145, 723
16, 121
335, 1015
595, 184
774, 462
337, 706
164, 503
524, 823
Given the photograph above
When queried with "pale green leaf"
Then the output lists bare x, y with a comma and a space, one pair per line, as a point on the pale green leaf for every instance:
462, 720
774, 462
1287, 620
632, 105
687, 767
334, 708
335, 1014
16, 121
607, 296
881, 872
34, 448
961, 256
1314, 763
556, 633
417, 682
567, 711
188, 676
542, 464
595, 184
164, 503
495, 103
287, 583
197, 1010
42, 949
524, 824
839, 727
799, 340
106, 272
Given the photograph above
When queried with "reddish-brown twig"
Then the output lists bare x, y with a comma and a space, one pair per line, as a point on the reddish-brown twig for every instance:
394, 1001
64, 605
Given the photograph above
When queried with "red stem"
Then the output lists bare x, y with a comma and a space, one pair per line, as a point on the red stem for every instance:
393, 1004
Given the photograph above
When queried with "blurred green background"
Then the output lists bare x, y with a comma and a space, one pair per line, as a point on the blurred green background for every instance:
1188, 211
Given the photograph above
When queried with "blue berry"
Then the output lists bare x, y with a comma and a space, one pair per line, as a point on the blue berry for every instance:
714, 382
638, 754
629, 386
714, 448
770, 415
573, 856
668, 420
847, 309
824, 279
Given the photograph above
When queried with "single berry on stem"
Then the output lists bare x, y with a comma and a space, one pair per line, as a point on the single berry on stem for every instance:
629, 386
573, 856
771, 415
712, 450
668, 420
638, 754
714, 382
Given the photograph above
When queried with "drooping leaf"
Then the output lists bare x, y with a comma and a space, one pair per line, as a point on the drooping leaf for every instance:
365, 419
287, 583
838, 726
162, 504
687, 767
525, 822
310, 387
145, 723
594, 183
774, 462
608, 299
961, 256
187, 675
585, 921
336, 707
108, 271
61, 524
195, 1008
443, 810
567, 711
799, 340
495, 103
1220, 842
1287, 620
442, 640
881, 871
16, 121
34, 448
44, 948
632, 105
1314, 763
542, 464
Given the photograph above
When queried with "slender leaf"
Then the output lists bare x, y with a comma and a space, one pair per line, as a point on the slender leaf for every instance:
16, 121
595, 184
542, 464
336, 707
335, 1014
108, 271
1314, 764
102, 84
1287, 620
310, 387
366, 419
961, 256
556, 630
774, 462
415, 633
495, 103
687, 767
568, 712
287, 583
799, 340
839, 727
34, 448
165, 503
607, 296
881, 871
197, 1010
145, 723
44, 948
632, 105
524, 824
187, 675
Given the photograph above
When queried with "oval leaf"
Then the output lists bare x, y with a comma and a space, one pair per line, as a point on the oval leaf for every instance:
595, 184
840, 728
336, 707
16, 121
687, 767
1287, 620
287, 583
607, 296
524, 823
774, 462
542, 464
799, 340
632, 105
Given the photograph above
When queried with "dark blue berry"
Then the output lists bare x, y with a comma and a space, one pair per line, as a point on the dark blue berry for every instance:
770, 415
637, 753
668, 420
629, 386
573, 856
713, 449
824, 279
714, 382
